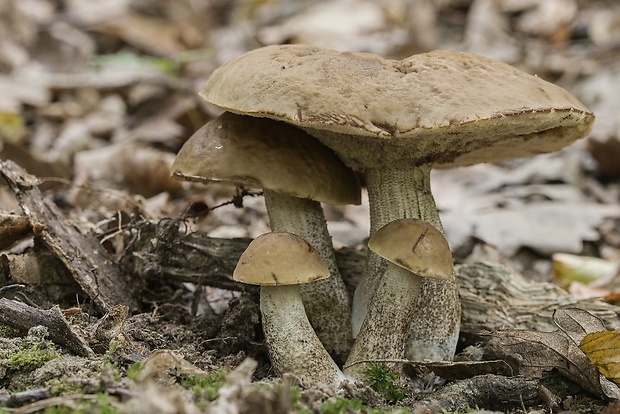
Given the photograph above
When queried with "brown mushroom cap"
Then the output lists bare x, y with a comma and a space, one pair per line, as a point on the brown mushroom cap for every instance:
270, 154
442, 107
279, 259
414, 245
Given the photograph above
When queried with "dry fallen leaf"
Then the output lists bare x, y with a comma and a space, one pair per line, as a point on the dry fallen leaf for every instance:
551, 19
576, 323
603, 91
165, 365
546, 227
603, 349
533, 354
141, 169
340, 24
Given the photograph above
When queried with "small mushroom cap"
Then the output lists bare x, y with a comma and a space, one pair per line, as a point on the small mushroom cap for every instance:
269, 154
414, 245
280, 259
443, 107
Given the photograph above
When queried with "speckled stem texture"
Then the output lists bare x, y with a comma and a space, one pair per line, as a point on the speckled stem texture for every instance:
385, 330
406, 193
293, 346
326, 301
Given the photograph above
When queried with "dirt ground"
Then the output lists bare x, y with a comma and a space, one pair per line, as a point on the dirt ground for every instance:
116, 291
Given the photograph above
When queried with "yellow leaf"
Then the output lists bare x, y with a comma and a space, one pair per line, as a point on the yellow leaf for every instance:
568, 268
603, 349
11, 127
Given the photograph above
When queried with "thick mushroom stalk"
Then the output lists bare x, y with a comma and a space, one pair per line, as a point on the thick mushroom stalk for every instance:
293, 345
414, 250
279, 263
296, 172
326, 301
396, 193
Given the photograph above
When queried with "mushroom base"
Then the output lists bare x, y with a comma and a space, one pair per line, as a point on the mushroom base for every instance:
292, 343
384, 333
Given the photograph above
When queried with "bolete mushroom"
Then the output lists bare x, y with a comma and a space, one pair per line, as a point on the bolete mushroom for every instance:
279, 263
414, 250
395, 120
296, 173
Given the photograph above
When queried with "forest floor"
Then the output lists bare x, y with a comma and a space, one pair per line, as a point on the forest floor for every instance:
97, 98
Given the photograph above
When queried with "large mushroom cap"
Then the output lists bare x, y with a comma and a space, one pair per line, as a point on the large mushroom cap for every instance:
442, 107
414, 245
279, 259
269, 154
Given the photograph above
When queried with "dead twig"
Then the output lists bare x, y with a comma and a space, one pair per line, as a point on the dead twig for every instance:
88, 262
22, 317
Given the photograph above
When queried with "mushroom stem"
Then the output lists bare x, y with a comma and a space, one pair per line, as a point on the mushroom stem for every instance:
293, 345
386, 327
396, 193
326, 301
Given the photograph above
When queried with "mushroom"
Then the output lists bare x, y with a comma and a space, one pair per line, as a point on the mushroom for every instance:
279, 263
414, 250
296, 173
395, 120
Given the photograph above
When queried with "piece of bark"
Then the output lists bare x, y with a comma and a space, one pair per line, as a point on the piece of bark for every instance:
160, 250
490, 391
12, 229
40, 268
493, 296
22, 317
88, 262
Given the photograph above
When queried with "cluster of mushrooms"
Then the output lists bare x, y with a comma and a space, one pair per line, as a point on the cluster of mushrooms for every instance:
299, 121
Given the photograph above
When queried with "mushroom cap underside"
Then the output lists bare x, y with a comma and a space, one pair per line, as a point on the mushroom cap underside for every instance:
279, 258
470, 103
414, 245
269, 154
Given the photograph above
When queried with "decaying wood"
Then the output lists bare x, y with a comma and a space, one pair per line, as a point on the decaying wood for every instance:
23, 317
13, 228
88, 262
39, 267
159, 250
494, 297
493, 391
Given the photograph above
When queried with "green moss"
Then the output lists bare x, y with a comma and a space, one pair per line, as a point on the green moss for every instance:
60, 386
205, 387
295, 398
133, 370
383, 380
557, 385
8, 332
31, 358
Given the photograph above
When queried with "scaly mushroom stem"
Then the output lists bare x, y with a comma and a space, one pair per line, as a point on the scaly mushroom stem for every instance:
293, 345
384, 332
396, 193
326, 301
